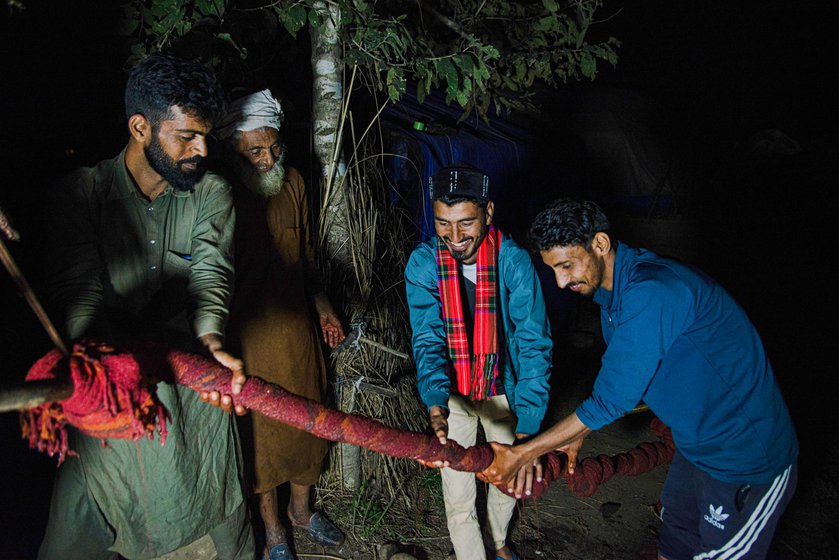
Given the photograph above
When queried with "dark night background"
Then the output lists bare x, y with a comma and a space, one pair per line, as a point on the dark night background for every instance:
716, 74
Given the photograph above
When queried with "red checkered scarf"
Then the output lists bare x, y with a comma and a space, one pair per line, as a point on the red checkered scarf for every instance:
476, 374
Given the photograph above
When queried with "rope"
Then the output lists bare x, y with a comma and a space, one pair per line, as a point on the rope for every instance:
112, 399
591, 472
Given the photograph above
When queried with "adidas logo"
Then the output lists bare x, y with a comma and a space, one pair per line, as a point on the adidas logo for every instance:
716, 516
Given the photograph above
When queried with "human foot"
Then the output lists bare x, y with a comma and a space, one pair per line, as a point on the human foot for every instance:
280, 551
321, 530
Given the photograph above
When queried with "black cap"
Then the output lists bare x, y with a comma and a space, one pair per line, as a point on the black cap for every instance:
459, 179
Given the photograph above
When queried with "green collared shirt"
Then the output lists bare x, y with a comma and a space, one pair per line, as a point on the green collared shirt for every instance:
122, 266
129, 269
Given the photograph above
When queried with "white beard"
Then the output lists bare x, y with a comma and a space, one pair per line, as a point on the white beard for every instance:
267, 184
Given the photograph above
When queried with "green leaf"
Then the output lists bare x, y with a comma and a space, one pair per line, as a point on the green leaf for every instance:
464, 62
483, 70
574, 35
588, 65
461, 97
445, 67
546, 24
315, 19
520, 68
509, 84
204, 7
421, 90
292, 19
529, 77
395, 83
550, 5
160, 8
491, 51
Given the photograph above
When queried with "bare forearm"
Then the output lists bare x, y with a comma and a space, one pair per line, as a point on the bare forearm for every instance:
215, 347
564, 432
322, 303
567, 434
211, 342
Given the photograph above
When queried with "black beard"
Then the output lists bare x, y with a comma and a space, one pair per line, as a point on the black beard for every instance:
461, 256
170, 169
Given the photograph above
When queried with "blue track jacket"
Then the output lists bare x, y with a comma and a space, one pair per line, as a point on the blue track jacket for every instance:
679, 342
523, 322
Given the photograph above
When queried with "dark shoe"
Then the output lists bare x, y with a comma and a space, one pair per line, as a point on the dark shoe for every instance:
321, 530
280, 552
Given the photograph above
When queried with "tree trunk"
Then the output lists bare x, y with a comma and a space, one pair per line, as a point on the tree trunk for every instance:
327, 106
327, 125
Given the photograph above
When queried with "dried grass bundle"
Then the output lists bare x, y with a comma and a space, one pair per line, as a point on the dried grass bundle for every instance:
391, 499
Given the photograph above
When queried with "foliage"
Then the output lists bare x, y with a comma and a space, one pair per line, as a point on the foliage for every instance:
481, 53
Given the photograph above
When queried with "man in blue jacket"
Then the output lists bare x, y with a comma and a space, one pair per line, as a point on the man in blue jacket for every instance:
676, 340
481, 344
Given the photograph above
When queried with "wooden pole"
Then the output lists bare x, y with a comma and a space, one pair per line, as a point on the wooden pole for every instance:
30, 394
24, 286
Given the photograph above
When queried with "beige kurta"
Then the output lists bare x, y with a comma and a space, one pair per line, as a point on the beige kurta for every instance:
272, 320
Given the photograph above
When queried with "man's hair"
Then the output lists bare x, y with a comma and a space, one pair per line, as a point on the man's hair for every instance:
566, 223
452, 199
161, 82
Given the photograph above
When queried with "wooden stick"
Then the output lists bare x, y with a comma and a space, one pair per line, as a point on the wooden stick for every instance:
30, 394
27, 291
6, 228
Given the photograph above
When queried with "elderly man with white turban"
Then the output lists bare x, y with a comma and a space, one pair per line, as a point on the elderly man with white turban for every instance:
276, 279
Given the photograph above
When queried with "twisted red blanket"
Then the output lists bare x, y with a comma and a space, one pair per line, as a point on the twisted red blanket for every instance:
112, 399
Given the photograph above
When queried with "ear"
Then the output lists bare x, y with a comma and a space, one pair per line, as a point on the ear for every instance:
490, 209
139, 127
601, 244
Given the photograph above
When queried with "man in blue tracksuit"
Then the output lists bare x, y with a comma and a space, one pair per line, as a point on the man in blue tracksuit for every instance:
481, 344
676, 340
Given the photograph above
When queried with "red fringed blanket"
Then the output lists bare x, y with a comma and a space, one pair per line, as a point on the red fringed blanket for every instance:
113, 399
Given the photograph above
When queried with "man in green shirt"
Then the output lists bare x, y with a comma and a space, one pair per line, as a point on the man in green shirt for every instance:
141, 249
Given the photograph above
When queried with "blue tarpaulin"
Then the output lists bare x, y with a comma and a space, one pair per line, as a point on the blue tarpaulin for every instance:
501, 150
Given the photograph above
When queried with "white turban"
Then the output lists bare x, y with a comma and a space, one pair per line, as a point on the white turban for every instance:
248, 113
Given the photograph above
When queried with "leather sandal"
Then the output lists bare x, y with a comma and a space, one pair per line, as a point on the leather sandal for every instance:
321, 530
280, 551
